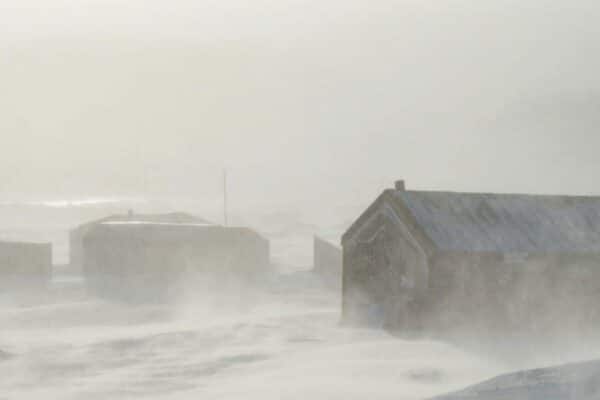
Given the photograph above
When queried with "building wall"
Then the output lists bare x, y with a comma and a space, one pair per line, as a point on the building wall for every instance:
155, 263
465, 290
390, 281
76, 248
513, 293
25, 265
385, 275
327, 261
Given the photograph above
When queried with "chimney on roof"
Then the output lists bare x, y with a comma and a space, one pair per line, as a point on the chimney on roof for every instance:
400, 185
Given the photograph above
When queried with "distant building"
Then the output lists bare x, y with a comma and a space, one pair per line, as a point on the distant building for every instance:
327, 261
137, 260
419, 261
25, 265
76, 235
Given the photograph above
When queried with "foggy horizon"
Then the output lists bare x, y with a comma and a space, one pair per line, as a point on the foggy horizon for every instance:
102, 99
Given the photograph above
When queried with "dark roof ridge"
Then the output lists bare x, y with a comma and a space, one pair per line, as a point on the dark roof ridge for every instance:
533, 195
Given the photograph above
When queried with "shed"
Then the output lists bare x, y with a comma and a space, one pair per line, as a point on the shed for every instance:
438, 261
76, 235
25, 265
153, 261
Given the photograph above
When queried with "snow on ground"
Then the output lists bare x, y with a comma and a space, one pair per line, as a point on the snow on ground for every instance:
577, 381
285, 343
281, 342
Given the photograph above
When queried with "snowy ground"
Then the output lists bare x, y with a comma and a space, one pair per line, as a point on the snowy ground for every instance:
282, 343
578, 381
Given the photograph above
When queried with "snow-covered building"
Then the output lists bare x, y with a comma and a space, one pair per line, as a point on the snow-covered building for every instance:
140, 260
25, 265
76, 235
439, 261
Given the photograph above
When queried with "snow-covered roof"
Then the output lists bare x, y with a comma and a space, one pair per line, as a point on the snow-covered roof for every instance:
176, 218
506, 223
131, 222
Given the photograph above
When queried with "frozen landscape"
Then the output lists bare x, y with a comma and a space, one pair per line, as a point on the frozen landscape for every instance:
282, 340
286, 345
289, 118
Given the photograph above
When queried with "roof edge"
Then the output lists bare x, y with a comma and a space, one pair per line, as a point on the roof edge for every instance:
365, 214
400, 208
508, 194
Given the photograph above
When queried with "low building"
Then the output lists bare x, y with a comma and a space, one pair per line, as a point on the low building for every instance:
327, 262
427, 261
76, 235
154, 261
25, 265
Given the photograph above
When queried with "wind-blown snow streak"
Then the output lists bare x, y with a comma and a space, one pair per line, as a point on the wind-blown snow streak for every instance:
284, 344
82, 202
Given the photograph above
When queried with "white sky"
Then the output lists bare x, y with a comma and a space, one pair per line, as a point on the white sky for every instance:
304, 101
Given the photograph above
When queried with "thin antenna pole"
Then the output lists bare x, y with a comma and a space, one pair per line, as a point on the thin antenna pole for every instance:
225, 197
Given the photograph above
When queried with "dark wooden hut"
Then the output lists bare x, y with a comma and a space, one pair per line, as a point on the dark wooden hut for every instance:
427, 261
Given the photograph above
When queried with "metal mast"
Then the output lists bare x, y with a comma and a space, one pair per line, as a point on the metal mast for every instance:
225, 219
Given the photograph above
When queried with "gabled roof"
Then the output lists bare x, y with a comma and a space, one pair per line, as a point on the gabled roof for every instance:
506, 222
503, 223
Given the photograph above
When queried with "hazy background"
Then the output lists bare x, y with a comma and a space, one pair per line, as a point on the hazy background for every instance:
305, 102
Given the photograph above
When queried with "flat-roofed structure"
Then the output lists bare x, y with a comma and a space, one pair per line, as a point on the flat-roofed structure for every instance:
25, 265
77, 234
137, 260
